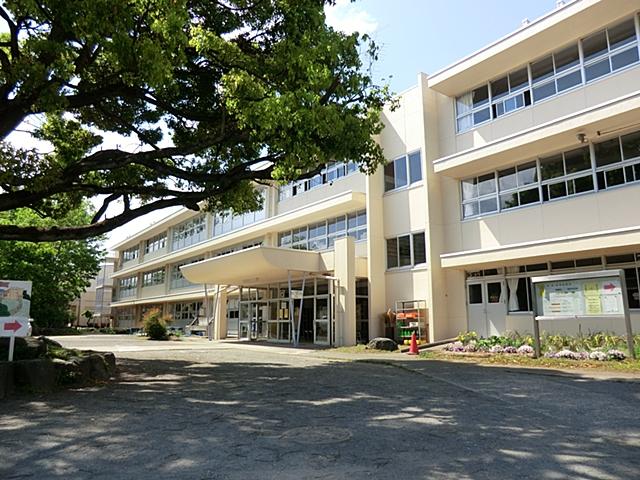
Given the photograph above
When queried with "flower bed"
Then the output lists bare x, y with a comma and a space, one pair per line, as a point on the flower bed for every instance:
600, 346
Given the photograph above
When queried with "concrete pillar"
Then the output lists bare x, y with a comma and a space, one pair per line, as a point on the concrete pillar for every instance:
376, 253
345, 271
220, 324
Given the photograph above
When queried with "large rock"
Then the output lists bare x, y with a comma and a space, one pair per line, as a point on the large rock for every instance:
6, 379
381, 343
27, 348
38, 375
99, 367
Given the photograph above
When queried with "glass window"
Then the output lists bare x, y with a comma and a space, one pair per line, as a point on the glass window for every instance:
392, 253
543, 91
570, 80
566, 58
608, 152
480, 96
469, 188
486, 184
625, 58
622, 34
475, 293
542, 69
594, 45
633, 294
577, 160
518, 79
507, 179
551, 167
527, 174
596, 70
499, 88
415, 167
389, 177
631, 145
404, 250
419, 250
400, 171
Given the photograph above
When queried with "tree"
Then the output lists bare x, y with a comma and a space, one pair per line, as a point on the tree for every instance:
217, 95
60, 271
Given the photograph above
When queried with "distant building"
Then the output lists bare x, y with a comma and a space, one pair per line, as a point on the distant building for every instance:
96, 298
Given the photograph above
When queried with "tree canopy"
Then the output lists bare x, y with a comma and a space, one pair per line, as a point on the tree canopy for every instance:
215, 94
60, 271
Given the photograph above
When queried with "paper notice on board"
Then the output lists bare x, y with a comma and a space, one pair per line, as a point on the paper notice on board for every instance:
593, 305
610, 304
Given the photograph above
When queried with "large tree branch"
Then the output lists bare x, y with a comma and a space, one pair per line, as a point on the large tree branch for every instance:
39, 234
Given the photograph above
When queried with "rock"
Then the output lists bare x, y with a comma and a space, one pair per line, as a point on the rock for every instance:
110, 360
83, 364
381, 343
67, 372
37, 375
27, 347
99, 368
6, 379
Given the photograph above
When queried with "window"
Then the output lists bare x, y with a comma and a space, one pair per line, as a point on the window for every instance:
154, 277
322, 235
472, 108
130, 254
402, 171
155, 244
604, 52
479, 195
127, 287
124, 315
566, 174
187, 312
333, 171
522, 300
177, 279
510, 93
189, 233
225, 222
406, 250
550, 178
610, 50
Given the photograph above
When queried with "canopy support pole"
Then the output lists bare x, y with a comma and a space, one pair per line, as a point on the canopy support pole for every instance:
304, 278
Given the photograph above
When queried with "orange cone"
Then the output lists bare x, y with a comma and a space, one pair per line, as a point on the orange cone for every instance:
413, 348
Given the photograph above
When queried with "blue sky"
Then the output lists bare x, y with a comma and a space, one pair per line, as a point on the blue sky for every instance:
427, 35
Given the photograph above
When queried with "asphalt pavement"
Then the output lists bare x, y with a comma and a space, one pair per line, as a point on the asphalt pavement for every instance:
222, 410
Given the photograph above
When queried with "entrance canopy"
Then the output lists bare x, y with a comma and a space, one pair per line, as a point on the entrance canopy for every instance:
256, 265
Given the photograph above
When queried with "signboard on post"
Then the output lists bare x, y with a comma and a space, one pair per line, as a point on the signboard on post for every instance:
15, 303
581, 295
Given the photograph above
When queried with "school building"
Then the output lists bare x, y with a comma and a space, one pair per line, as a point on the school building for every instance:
522, 159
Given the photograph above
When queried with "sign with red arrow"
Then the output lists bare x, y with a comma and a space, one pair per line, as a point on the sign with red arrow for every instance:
14, 327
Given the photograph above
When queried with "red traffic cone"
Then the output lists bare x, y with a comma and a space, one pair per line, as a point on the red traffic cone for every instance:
413, 348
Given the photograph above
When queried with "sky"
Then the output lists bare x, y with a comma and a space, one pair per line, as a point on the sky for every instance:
414, 36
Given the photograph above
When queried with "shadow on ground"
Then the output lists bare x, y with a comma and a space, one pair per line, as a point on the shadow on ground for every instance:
216, 420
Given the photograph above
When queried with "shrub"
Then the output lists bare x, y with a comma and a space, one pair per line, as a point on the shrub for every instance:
510, 349
155, 325
525, 350
496, 349
598, 355
615, 355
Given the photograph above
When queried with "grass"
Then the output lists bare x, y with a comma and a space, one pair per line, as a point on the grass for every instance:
629, 365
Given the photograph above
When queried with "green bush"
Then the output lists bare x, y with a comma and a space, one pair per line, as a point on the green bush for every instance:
155, 325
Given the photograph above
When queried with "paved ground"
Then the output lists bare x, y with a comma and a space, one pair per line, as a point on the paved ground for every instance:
195, 410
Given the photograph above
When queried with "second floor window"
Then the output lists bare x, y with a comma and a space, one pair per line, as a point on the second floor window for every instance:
177, 279
127, 287
406, 250
322, 235
615, 162
402, 171
130, 254
154, 277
